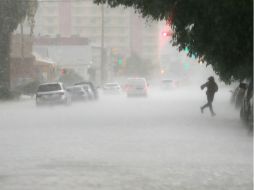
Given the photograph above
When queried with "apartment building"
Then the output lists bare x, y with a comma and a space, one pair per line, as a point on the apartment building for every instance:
124, 30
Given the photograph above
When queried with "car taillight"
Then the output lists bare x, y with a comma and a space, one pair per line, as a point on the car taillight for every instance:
129, 87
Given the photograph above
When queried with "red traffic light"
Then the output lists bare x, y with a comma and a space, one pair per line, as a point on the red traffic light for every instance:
63, 71
166, 33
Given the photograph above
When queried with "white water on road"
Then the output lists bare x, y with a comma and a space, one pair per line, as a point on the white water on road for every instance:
162, 142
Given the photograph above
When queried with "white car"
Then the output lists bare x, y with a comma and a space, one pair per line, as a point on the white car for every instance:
112, 88
52, 93
136, 87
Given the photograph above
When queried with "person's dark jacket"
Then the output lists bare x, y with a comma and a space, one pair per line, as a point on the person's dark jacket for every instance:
211, 86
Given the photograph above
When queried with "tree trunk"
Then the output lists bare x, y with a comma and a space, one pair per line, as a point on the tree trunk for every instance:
5, 65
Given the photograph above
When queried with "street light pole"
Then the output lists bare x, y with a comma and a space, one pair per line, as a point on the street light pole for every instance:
22, 42
102, 45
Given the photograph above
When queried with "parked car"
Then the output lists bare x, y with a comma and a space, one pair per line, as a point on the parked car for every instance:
136, 87
238, 94
52, 93
246, 112
93, 89
78, 93
89, 91
112, 88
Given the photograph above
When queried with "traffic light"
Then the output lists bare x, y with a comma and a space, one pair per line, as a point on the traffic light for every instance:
120, 61
166, 33
63, 71
113, 51
193, 56
186, 66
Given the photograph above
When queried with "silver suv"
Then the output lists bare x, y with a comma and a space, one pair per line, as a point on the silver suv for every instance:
52, 93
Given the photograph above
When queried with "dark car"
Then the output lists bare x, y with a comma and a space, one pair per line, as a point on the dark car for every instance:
89, 91
238, 94
78, 93
94, 91
52, 93
246, 112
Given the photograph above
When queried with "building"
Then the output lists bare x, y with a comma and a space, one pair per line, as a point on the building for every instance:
25, 66
124, 30
68, 52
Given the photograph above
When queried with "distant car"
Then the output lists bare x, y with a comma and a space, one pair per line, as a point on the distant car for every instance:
168, 84
112, 88
52, 93
91, 89
78, 93
136, 87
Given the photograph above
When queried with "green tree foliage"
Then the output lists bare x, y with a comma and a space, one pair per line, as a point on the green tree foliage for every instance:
219, 33
12, 12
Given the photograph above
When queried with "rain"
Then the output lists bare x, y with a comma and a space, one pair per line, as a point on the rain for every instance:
101, 99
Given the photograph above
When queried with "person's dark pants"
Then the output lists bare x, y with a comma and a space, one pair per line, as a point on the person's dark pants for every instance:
209, 103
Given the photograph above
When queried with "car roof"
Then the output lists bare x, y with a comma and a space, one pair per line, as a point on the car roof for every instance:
111, 83
51, 83
137, 78
76, 86
84, 82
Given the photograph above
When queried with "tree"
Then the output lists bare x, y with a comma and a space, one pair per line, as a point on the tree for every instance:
12, 12
70, 77
219, 33
136, 66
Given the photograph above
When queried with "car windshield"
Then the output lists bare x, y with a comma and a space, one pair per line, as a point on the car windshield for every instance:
49, 87
75, 89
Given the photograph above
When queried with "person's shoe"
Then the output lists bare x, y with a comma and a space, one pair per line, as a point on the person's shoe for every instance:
201, 109
213, 114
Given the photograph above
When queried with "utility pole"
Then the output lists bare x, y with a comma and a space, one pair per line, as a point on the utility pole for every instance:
22, 42
102, 46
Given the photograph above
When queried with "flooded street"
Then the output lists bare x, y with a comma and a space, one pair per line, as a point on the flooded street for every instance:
160, 142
